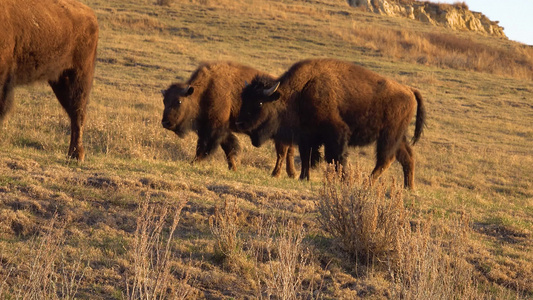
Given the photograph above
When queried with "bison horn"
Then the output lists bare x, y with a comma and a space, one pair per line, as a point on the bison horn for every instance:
271, 90
163, 92
246, 83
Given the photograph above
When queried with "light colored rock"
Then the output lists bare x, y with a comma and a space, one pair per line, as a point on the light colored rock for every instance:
451, 16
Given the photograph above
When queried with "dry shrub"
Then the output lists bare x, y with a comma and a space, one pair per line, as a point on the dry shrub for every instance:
363, 218
152, 252
426, 259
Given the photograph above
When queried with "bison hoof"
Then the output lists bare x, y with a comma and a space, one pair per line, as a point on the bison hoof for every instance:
77, 154
276, 173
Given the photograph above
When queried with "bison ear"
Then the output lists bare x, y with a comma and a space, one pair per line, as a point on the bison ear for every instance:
188, 91
163, 92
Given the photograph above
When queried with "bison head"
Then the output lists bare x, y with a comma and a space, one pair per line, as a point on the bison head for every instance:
180, 107
257, 115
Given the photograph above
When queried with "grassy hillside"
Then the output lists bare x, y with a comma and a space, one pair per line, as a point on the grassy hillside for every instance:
86, 231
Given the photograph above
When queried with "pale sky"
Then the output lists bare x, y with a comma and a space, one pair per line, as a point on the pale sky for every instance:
516, 16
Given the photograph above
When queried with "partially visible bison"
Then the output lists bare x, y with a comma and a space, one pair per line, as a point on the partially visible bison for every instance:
208, 103
52, 40
335, 103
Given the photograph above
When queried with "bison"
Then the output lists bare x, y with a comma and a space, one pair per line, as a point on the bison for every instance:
208, 103
334, 103
54, 41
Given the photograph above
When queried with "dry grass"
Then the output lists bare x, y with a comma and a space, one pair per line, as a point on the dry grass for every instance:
282, 260
444, 50
474, 158
164, 2
432, 262
50, 273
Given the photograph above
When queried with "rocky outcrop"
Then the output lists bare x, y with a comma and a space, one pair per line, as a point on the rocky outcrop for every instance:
454, 16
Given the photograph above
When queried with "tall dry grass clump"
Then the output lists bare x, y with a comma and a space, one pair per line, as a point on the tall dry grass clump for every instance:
282, 259
152, 252
431, 262
47, 271
269, 250
225, 225
425, 259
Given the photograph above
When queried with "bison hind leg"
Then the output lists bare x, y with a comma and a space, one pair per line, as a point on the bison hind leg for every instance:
291, 170
405, 157
387, 146
315, 157
336, 145
72, 90
231, 148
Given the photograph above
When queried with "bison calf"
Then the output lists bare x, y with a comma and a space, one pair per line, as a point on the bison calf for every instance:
334, 103
54, 41
208, 103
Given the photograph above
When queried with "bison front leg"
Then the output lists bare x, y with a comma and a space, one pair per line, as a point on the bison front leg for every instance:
231, 148
208, 141
72, 90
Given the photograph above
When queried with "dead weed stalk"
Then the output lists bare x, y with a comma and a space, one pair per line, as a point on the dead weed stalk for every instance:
152, 251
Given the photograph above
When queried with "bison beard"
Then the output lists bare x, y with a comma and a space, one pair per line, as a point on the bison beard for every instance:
335, 103
52, 41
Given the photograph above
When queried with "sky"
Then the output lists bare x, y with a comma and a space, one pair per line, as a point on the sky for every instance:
515, 16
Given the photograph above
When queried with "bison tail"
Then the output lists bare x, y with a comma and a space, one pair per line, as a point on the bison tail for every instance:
420, 116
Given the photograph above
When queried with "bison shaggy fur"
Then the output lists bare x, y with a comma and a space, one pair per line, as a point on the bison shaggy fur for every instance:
54, 41
208, 103
337, 104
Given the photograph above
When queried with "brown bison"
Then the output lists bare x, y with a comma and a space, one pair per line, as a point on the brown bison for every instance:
334, 103
208, 103
53, 40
